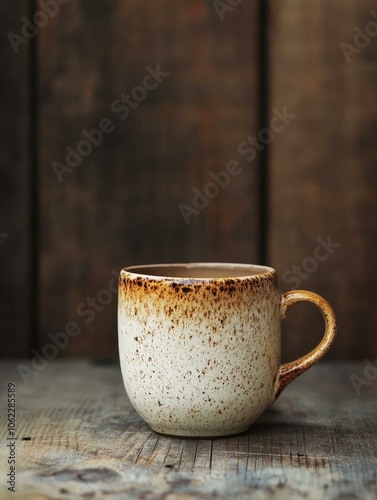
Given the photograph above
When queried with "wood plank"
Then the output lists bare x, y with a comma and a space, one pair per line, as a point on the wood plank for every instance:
15, 185
77, 434
322, 172
120, 205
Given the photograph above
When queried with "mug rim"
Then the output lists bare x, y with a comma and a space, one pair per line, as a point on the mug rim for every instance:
245, 271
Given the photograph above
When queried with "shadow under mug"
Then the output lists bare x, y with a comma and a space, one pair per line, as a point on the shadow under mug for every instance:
199, 344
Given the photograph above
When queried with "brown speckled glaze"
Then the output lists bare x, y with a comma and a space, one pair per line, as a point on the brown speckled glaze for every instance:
199, 345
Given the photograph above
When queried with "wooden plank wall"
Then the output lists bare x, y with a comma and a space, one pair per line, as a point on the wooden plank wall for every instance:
120, 204
16, 276
323, 177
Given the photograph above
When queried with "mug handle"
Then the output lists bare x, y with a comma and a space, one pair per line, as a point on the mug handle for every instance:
289, 371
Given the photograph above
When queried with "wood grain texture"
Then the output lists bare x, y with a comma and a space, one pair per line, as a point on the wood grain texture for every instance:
323, 179
15, 186
79, 437
119, 206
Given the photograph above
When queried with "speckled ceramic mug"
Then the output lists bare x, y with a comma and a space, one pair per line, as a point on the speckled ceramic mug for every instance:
199, 344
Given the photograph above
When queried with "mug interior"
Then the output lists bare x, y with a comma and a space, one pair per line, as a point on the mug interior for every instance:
200, 270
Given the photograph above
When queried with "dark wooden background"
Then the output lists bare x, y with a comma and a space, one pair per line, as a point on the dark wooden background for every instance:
316, 179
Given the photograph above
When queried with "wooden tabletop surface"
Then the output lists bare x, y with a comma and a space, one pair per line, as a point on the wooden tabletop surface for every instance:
79, 437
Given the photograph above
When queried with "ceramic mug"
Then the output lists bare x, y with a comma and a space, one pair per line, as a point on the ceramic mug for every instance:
199, 344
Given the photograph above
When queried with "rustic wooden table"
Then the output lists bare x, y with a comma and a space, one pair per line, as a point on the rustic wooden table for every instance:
79, 437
